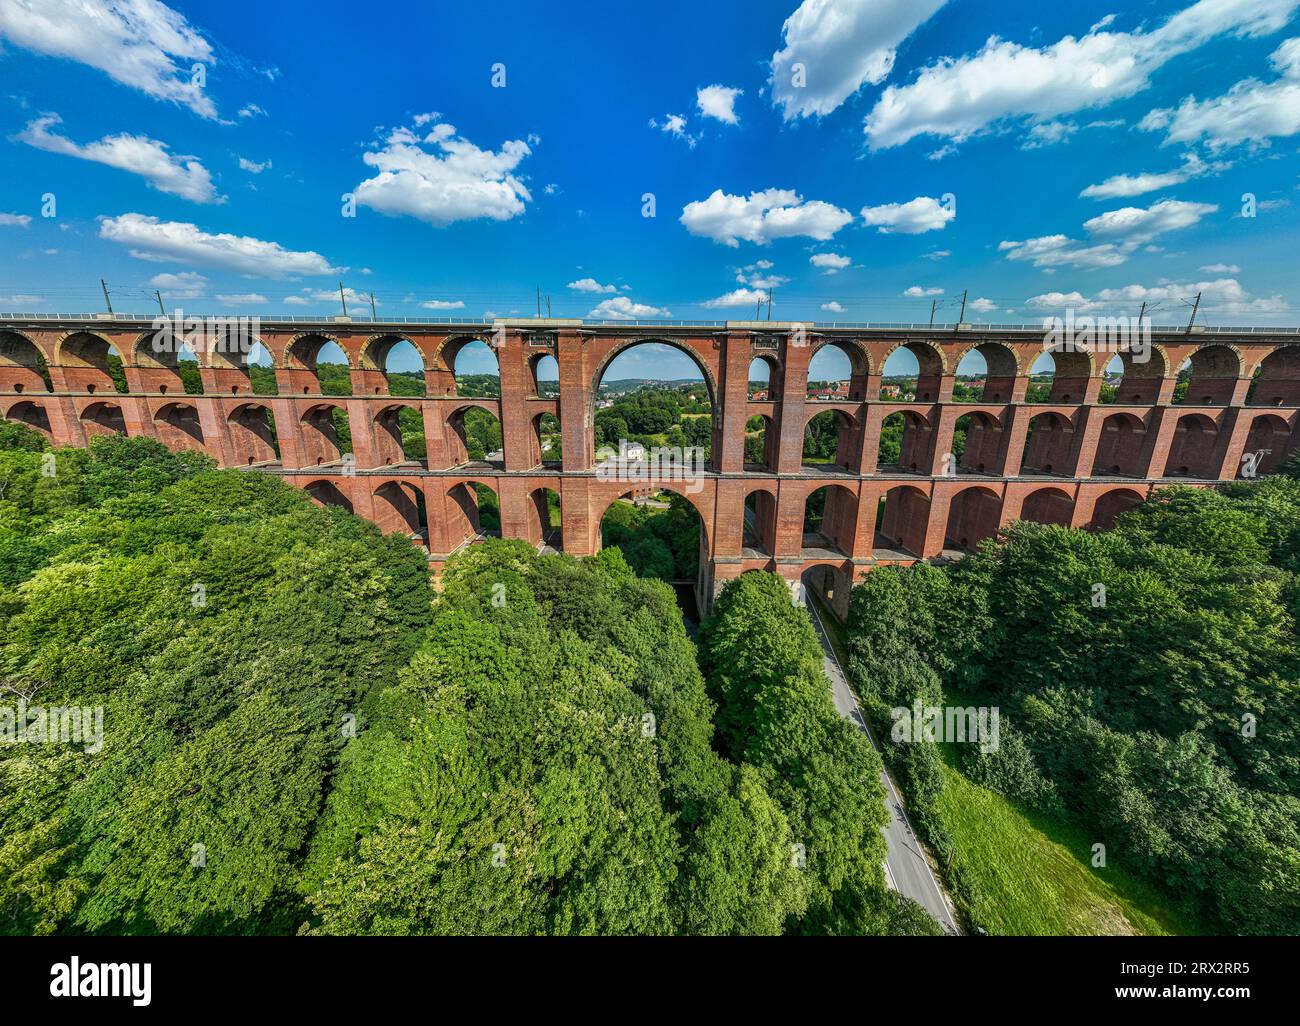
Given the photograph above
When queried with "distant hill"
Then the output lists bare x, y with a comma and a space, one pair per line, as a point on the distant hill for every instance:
632, 384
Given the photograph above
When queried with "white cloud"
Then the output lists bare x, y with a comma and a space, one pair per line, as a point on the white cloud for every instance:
738, 297
143, 44
916, 291
185, 285
1124, 186
1051, 251
1059, 301
1116, 235
457, 181
251, 110
983, 305
833, 307
242, 298
829, 262
1250, 112
762, 217
937, 254
957, 98
443, 304
19, 301
15, 220
755, 275
152, 239
252, 167
833, 47
1221, 269
1048, 133
675, 124
1136, 225
590, 285
946, 150
923, 214
621, 308
175, 174
718, 101
318, 296
1225, 295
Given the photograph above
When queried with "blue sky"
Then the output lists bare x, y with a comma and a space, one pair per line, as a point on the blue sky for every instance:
1038, 156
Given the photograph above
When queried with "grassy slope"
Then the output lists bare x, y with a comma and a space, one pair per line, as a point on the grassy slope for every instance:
1033, 876
1032, 873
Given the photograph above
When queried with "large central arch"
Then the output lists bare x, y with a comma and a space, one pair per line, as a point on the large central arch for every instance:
710, 385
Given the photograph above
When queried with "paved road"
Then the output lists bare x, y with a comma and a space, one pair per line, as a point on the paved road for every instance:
906, 868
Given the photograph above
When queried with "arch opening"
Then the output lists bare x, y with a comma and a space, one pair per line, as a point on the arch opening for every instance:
902, 517
546, 440
977, 443
400, 363
761, 442
986, 373
827, 586
326, 435
178, 427
545, 524
471, 369
399, 435
22, 365
652, 394
317, 365
1048, 506
103, 419
545, 376
838, 372
828, 439
1194, 450
830, 521
913, 373
1131, 380
32, 415
1277, 381
660, 533
327, 493
473, 513
1049, 446
253, 438
399, 509
973, 516
1211, 379
1268, 445
1111, 506
475, 437
764, 379
905, 439
1120, 447
92, 364
1059, 376
759, 530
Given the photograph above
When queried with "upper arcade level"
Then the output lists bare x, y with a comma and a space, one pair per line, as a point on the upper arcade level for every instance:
1229, 368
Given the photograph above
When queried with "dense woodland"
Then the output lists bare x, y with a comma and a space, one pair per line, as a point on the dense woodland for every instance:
301, 737
320, 746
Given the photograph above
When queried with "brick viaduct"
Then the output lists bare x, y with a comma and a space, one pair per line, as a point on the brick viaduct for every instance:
1067, 460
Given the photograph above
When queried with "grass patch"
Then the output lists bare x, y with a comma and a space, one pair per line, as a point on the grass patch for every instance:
1031, 875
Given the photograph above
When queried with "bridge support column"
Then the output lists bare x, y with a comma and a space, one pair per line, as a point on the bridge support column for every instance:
790, 414
1013, 440
733, 409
